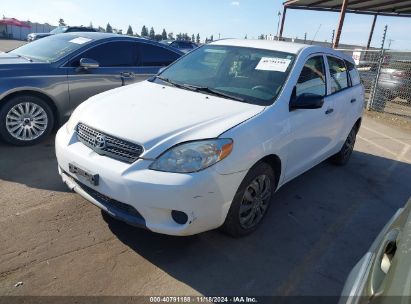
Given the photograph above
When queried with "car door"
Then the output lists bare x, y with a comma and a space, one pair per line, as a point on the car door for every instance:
116, 62
151, 58
343, 97
311, 129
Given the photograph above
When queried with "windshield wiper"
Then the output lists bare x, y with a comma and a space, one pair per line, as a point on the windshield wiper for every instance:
24, 57
215, 92
176, 84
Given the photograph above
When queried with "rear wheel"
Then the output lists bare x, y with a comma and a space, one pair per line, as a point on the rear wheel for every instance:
342, 157
251, 201
25, 120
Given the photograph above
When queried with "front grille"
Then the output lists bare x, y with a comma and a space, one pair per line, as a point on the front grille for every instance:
107, 145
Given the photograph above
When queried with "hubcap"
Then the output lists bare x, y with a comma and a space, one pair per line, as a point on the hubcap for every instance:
255, 201
26, 121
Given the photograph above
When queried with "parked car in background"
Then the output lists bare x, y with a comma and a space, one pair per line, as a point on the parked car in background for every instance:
43, 81
383, 273
182, 45
60, 30
208, 141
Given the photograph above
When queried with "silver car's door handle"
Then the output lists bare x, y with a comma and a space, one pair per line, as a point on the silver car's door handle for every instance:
127, 75
329, 111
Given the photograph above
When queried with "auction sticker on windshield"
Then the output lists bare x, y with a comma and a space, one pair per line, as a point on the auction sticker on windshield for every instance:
80, 40
273, 64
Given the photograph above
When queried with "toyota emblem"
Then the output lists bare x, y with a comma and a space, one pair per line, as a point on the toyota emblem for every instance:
100, 142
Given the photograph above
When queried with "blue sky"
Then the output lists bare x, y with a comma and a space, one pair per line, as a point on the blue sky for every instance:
229, 18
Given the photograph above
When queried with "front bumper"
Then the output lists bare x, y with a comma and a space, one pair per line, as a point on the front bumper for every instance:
205, 197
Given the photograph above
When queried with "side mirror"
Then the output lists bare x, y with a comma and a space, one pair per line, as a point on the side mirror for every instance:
306, 101
88, 63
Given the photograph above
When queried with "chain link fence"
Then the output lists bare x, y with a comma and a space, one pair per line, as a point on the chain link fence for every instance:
386, 76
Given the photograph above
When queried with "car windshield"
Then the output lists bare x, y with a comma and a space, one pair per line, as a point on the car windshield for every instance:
53, 48
58, 30
250, 75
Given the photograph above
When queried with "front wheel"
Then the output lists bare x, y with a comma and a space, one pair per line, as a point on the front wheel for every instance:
251, 202
25, 120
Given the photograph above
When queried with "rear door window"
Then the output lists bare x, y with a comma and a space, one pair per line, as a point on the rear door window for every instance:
111, 54
312, 78
338, 74
153, 55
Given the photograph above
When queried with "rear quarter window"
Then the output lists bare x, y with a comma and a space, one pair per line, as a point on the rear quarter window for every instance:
354, 74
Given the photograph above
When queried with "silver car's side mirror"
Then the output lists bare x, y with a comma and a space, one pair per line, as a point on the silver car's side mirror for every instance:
88, 63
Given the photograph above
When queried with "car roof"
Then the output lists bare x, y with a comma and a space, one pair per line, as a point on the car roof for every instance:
272, 45
282, 46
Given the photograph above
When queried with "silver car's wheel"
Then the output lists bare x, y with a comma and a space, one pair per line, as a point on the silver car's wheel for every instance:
26, 121
255, 201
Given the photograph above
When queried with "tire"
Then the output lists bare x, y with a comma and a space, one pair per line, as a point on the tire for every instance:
25, 120
235, 223
344, 155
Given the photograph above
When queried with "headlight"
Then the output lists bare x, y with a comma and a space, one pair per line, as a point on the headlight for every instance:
193, 156
74, 118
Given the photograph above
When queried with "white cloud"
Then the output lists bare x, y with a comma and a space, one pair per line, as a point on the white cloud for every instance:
235, 3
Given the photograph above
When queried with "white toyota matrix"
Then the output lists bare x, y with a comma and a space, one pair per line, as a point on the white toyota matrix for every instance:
207, 142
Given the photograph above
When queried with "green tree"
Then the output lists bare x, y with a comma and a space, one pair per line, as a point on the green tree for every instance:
101, 29
144, 31
109, 29
198, 38
130, 31
152, 34
245, 36
193, 38
164, 35
261, 37
61, 22
212, 38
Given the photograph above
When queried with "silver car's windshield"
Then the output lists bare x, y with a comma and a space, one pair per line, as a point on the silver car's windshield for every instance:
59, 29
251, 75
53, 48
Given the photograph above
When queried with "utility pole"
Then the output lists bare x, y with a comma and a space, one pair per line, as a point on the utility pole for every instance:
305, 37
332, 37
390, 41
278, 25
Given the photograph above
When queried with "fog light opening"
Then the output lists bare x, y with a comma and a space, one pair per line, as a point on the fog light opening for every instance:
179, 217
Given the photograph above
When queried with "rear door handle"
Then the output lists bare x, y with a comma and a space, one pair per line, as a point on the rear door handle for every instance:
353, 100
329, 111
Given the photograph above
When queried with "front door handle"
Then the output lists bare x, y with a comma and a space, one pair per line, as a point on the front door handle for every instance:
353, 100
127, 75
329, 111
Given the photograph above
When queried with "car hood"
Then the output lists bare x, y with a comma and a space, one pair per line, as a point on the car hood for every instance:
158, 116
9, 60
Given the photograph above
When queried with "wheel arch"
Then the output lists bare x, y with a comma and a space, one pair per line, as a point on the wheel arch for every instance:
50, 102
275, 162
